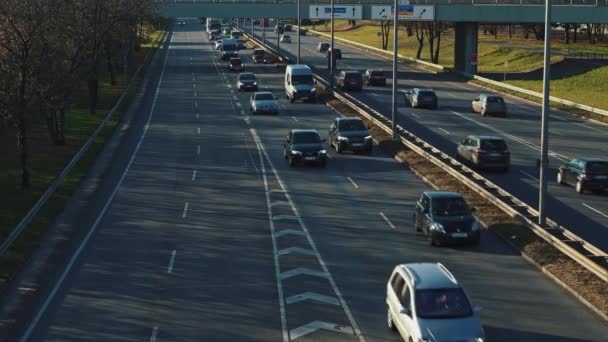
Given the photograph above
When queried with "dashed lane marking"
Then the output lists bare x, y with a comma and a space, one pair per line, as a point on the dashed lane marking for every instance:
353, 182
528, 175
318, 325
154, 334
171, 261
185, 211
288, 232
312, 296
390, 224
443, 130
284, 217
597, 211
297, 250
302, 271
193, 175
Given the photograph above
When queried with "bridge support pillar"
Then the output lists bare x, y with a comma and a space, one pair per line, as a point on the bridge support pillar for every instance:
465, 47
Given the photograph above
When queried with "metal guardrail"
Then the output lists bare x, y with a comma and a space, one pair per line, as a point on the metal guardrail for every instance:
587, 255
413, 2
8, 243
389, 54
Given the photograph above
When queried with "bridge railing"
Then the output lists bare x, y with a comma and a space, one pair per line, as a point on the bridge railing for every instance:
414, 2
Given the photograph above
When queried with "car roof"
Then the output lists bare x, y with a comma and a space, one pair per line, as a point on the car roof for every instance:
246, 73
351, 71
300, 130
442, 194
486, 137
424, 89
428, 275
262, 93
235, 59
590, 159
350, 118
323, 43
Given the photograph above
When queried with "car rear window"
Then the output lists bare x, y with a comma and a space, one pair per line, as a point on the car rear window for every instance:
247, 77
352, 76
351, 125
264, 97
306, 138
258, 52
235, 61
597, 167
450, 206
442, 303
494, 99
493, 145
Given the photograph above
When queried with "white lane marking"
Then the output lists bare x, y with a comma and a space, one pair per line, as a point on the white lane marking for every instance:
387, 221
353, 182
284, 217
198, 149
198, 130
316, 325
193, 85
194, 175
154, 334
264, 154
68, 268
597, 211
238, 104
533, 146
458, 85
555, 132
242, 112
247, 120
274, 204
195, 104
302, 270
287, 232
592, 128
312, 296
452, 95
443, 130
298, 250
416, 115
185, 212
529, 175
195, 93
171, 262
235, 98
294, 118
197, 115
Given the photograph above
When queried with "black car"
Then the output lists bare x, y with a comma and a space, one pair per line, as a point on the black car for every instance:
279, 29
258, 56
337, 53
444, 217
323, 47
235, 64
374, 77
302, 31
585, 174
304, 146
484, 152
350, 80
247, 81
350, 134
287, 28
421, 98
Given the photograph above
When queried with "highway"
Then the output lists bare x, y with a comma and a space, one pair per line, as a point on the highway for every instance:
210, 236
585, 215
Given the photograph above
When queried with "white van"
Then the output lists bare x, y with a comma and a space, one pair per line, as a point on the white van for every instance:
229, 49
299, 83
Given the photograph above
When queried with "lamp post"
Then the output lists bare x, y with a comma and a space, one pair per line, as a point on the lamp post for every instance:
331, 54
544, 135
395, 77
298, 55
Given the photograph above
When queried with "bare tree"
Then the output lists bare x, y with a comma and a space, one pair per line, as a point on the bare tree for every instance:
385, 29
419, 30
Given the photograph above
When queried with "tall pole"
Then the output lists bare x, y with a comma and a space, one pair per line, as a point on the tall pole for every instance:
278, 40
395, 76
298, 56
544, 138
252, 28
331, 55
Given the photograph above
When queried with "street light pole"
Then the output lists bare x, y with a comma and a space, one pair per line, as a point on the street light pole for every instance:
544, 137
298, 56
278, 40
395, 77
331, 55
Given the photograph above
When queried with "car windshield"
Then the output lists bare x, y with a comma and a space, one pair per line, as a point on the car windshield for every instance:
426, 93
494, 99
351, 125
246, 77
264, 97
597, 167
258, 52
451, 206
306, 138
377, 73
494, 145
325, 44
301, 79
442, 303
235, 62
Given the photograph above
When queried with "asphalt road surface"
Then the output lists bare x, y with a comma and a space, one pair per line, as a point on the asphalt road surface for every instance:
211, 236
585, 215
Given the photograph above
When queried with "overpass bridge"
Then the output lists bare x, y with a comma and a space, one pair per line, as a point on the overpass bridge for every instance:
464, 14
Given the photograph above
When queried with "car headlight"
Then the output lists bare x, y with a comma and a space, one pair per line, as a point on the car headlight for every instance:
323, 152
255, 83
480, 339
342, 138
240, 83
368, 137
475, 226
296, 153
313, 90
438, 227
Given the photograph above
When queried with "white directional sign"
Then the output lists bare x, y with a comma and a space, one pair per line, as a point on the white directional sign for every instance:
340, 12
406, 12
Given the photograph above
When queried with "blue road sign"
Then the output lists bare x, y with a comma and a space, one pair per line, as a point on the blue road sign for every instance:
336, 9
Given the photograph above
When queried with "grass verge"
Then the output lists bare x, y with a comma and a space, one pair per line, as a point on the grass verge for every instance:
576, 278
47, 161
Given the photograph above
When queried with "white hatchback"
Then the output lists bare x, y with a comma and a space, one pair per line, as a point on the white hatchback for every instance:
427, 304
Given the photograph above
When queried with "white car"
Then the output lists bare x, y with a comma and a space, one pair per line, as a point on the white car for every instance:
263, 102
427, 304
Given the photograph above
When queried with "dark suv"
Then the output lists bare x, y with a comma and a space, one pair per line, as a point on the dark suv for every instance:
421, 98
444, 217
258, 56
304, 146
585, 174
350, 134
484, 152
374, 77
350, 80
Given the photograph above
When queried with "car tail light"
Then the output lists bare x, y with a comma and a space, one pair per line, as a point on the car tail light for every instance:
584, 177
479, 151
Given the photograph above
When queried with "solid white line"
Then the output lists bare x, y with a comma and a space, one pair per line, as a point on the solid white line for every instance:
197, 115
198, 130
185, 212
353, 182
235, 98
441, 129
555, 132
416, 115
387, 220
529, 175
154, 334
53, 293
193, 175
294, 118
597, 211
592, 128
198, 149
238, 104
195, 104
452, 95
171, 262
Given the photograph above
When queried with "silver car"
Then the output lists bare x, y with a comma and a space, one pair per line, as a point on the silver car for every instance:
426, 303
489, 104
263, 102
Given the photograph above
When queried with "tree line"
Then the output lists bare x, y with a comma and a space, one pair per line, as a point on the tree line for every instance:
51, 48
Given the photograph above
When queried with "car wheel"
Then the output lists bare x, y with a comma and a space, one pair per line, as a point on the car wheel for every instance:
483, 112
389, 320
559, 179
324, 163
292, 162
338, 148
579, 187
432, 242
292, 99
285, 153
